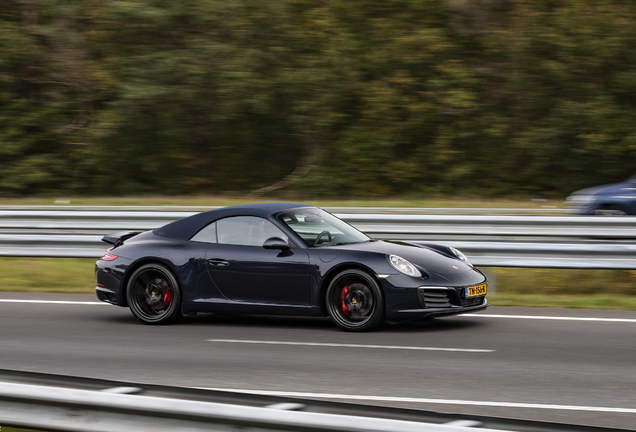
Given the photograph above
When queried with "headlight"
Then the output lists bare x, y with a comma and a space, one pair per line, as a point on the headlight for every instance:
580, 199
403, 266
459, 254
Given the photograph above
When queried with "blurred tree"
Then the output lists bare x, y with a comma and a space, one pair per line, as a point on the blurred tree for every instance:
45, 98
365, 98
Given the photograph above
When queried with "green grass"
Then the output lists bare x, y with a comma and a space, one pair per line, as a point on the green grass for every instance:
590, 289
62, 275
601, 301
13, 429
569, 282
565, 288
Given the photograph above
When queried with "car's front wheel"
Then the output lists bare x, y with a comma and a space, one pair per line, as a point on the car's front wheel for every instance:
354, 301
153, 294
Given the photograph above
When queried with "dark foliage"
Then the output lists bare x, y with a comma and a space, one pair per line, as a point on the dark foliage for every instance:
364, 98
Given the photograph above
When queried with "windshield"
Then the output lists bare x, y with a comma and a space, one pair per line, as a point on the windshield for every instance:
318, 228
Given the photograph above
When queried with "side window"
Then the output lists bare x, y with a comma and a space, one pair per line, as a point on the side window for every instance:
206, 235
247, 231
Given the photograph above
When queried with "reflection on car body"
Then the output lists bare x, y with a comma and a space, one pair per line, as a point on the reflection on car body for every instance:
283, 258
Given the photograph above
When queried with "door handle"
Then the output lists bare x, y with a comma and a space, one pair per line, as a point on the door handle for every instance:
218, 262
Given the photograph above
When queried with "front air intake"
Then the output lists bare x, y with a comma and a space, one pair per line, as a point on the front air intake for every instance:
434, 298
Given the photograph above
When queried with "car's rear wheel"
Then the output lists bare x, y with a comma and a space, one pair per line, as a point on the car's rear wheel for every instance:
153, 294
354, 301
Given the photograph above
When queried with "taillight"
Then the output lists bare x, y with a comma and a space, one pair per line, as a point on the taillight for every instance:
108, 257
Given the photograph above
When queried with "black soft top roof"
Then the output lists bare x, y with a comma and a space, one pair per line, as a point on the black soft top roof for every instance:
184, 229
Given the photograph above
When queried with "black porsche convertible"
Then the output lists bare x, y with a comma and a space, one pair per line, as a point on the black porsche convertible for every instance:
286, 259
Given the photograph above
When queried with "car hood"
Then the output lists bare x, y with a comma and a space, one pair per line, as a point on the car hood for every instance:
428, 258
603, 189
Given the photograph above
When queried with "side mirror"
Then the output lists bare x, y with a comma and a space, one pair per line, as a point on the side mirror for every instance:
276, 243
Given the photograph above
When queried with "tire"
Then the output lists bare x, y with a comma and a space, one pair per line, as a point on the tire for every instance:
355, 301
153, 295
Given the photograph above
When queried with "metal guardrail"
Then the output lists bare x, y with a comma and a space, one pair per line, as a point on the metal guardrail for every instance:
489, 240
65, 409
313, 405
75, 403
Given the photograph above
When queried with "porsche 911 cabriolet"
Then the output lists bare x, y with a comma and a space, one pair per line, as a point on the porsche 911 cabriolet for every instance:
286, 259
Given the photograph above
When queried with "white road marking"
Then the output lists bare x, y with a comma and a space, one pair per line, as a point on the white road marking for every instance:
337, 345
122, 390
481, 315
463, 423
539, 317
51, 302
426, 401
287, 406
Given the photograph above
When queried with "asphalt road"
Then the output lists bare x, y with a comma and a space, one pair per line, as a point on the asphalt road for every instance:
525, 364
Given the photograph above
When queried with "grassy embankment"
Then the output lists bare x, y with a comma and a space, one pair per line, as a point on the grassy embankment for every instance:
12, 429
600, 289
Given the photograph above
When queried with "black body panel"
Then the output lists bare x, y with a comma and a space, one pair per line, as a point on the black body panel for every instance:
257, 275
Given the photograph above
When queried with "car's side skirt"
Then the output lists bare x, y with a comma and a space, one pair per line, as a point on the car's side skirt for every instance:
229, 306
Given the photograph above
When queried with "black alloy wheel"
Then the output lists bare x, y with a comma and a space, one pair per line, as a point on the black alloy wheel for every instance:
354, 301
153, 295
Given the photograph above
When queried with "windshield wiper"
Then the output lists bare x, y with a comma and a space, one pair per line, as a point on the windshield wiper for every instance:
353, 242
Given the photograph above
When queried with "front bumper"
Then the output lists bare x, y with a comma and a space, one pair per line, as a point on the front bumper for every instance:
423, 301
440, 312
581, 204
428, 312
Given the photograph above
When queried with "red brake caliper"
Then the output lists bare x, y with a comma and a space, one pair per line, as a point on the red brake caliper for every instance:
167, 296
345, 309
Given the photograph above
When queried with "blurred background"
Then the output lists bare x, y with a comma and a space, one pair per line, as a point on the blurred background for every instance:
329, 98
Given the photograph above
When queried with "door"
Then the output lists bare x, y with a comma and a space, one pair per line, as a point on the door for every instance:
243, 270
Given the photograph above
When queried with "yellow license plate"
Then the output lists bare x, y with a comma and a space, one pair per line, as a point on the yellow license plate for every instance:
476, 290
